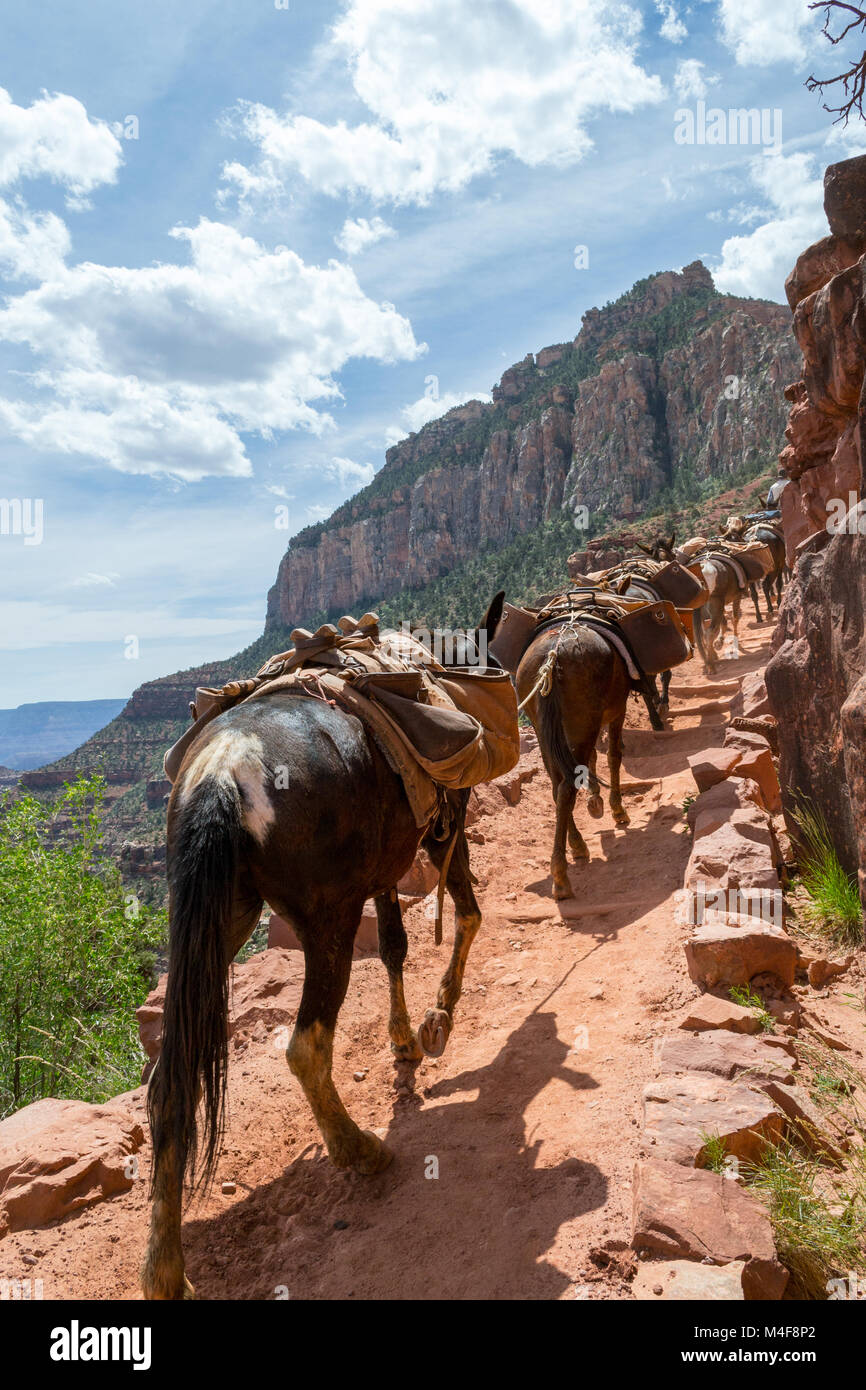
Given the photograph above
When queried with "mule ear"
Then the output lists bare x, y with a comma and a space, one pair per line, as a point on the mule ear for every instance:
645, 548
672, 540
493, 617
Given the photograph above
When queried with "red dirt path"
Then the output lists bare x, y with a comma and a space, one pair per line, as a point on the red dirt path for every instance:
533, 1114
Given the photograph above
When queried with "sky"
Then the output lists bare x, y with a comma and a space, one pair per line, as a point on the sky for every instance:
247, 246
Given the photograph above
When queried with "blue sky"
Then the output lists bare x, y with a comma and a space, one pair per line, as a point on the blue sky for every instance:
244, 248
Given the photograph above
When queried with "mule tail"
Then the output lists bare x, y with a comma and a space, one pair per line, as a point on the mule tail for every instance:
194, 1052
699, 633
552, 733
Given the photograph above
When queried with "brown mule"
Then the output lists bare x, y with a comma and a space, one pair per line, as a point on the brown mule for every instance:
723, 592
589, 689
285, 800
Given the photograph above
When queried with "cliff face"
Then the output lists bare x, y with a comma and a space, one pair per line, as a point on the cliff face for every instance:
821, 638
672, 381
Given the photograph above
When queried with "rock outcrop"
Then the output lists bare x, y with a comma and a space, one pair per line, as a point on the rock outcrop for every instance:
671, 381
820, 643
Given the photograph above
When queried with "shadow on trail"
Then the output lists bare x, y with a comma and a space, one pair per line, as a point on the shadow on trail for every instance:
480, 1230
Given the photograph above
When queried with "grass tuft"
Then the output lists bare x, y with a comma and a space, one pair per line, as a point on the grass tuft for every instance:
832, 903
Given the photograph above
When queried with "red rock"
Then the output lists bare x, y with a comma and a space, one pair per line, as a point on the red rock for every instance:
667, 1281
58, 1156
720, 954
712, 766
694, 1214
746, 741
821, 970
752, 700
680, 1110
716, 806
819, 263
845, 197
710, 1012
738, 854
759, 766
722, 1054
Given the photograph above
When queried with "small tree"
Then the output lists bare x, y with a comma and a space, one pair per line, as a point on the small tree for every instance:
76, 953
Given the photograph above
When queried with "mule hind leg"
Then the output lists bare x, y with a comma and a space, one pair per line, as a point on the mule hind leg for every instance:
614, 760
310, 1052
393, 945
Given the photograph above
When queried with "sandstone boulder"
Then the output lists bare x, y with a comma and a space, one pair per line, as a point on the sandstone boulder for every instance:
805, 1118
719, 953
721, 1053
845, 197
694, 1214
819, 263
667, 1281
679, 1111
58, 1156
709, 1012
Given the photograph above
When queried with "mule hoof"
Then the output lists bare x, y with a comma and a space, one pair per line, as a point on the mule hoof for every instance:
621, 818
176, 1292
595, 806
579, 853
561, 891
434, 1031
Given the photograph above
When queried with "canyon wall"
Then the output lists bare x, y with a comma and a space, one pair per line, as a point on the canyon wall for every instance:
817, 678
672, 380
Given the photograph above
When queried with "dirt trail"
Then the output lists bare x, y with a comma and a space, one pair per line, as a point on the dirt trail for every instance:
532, 1115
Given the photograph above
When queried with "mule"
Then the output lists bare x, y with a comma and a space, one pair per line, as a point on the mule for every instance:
589, 688
653, 587
724, 592
340, 832
738, 529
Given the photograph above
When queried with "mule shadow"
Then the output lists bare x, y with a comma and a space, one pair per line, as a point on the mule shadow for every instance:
480, 1229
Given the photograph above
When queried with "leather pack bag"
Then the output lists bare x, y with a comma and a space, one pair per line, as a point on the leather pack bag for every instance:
657, 637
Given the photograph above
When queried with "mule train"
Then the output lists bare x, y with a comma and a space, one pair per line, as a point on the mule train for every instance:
312, 786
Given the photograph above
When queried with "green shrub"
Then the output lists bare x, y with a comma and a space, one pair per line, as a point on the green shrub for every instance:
76, 954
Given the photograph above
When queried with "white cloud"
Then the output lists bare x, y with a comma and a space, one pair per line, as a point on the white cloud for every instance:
91, 580
758, 264
452, 84
355, 236
161, 369
56, 139
672, 28
690, 79
430, 407
349, 473
762, 32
